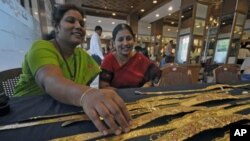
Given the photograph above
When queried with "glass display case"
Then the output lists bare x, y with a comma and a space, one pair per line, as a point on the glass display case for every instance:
195, 50
183, 49
221, 51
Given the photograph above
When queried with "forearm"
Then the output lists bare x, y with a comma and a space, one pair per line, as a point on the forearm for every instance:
53, 82
64, 90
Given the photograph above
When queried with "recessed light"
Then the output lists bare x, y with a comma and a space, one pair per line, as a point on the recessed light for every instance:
113, 14
182, 16
36, 13
99, 21
154, 1
113, 22
149, 27
172, 22
132, 6
142, 10
169, 29
157, 15
84, 19
170, 8
169, 14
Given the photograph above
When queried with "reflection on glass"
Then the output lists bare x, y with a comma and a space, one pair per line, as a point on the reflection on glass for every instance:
235, 45
194, 55
183, 49
237, 32
196, 42
240, 19
201, 11
221, 51
211, 46
199, 27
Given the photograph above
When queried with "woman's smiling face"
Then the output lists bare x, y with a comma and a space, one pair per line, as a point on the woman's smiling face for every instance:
71, 27
124, 42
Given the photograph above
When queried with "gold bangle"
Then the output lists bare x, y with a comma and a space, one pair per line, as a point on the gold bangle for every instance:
84, 94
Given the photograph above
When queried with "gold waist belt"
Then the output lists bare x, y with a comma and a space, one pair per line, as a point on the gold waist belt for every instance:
172, 125
213, 87
178, 123
206, 123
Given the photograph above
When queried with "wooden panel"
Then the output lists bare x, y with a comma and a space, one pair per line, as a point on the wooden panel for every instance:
243, 6
195, 70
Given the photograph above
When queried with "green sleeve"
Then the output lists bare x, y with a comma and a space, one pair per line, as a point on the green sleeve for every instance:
42, 53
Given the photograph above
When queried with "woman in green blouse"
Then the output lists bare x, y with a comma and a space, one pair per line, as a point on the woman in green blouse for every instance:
56, 67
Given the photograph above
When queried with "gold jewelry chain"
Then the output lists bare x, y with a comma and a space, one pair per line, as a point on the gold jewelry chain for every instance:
213, 87
172, 125
177, 123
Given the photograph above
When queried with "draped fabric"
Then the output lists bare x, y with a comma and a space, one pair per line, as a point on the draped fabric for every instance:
44, 53
134, 73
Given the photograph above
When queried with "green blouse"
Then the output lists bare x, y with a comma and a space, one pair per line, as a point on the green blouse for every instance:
43, 53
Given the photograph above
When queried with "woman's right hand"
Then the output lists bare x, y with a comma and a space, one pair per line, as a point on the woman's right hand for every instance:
107, 104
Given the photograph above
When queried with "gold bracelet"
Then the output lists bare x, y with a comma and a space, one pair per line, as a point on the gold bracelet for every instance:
84, 94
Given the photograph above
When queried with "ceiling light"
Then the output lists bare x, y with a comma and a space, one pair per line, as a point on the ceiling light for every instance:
142, 10
154, 1
170, 8
113, 14
36, 13
84, 19
149, 27
99, 21
172, 22
157, 15
113, 22
182, 16
224, 23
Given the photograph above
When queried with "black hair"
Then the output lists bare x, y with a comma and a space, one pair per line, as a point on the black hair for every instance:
49, 36
57, 14
138, 48
121, 27
98, 28
59, 11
